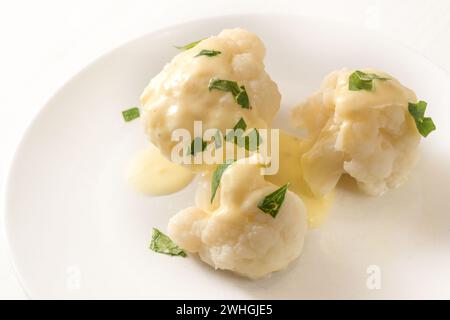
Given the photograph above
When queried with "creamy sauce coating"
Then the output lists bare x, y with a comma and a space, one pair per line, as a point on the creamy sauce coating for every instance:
291, 151
150, 173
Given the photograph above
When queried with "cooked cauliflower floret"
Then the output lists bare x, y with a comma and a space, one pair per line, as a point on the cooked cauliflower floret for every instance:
233, 233
179, 94
368, 134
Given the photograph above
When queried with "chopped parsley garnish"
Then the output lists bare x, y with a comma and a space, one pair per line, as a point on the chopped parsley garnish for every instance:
239, 93
242, 98
218, 139
241, 124
163, 244
359, 80
424, 124
237, 132
131, 114
197, 145
271, 204
252, 138
189, 45
248, 141
208, 53
217, 175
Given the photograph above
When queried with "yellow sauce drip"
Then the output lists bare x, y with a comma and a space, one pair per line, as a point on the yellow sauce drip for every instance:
150, 173
290, 170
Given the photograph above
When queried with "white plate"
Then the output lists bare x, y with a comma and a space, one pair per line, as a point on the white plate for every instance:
76, 230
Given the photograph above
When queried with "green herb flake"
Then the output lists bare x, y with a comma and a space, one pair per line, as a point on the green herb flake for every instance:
253, 137
224, 85
208, 53
217, 175
131, 114
197, 145
425, 125
161, 243
238, 130
189, 45
242, 98
271, 204
218, 139
250, 142
241, 124
239, 93
359, 80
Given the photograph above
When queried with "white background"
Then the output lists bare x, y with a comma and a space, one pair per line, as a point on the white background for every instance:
43, 43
